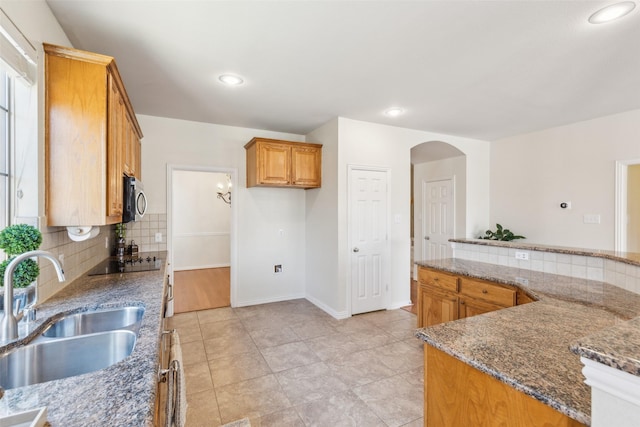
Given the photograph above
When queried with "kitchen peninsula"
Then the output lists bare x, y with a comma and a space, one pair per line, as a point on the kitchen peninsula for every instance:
122, 394
527, 354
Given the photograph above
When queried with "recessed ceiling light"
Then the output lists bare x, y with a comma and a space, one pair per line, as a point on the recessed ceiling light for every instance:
611, 12
394, 112
231, 80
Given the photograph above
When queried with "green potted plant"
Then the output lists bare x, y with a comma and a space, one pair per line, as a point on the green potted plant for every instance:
503, 234
15, 240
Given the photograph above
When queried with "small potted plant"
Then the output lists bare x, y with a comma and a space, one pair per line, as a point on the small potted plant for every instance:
15, 240
502, 234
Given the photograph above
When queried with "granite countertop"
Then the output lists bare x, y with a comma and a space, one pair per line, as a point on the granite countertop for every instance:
122, 394
532, 347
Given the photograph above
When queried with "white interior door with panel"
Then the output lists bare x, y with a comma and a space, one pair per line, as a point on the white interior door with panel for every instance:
437, 219
368, 231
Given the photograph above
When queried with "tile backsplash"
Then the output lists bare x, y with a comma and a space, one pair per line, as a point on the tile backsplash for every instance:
80, 257
621, 274
144, 232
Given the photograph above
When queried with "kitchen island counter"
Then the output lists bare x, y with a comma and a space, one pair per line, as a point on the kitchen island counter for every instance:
123, 394
529, 346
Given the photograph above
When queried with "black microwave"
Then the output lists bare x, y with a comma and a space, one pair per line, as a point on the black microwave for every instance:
134, 200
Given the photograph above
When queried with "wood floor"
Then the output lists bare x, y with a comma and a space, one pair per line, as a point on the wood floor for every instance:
209, 288
201, 289
413, 308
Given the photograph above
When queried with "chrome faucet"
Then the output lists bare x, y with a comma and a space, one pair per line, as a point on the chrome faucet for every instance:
9, 325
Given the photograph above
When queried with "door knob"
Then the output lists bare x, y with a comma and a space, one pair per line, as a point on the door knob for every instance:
356, 250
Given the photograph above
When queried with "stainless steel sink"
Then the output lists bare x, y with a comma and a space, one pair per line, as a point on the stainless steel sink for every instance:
96, 321
66, 357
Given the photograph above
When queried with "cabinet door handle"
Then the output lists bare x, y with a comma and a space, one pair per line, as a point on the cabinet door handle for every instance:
462, 302
356, 250
484, 291
426, 237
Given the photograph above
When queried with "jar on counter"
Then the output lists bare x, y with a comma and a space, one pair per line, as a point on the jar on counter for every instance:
133, 249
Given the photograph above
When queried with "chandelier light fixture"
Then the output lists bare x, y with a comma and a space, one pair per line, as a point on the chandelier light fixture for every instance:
223, 195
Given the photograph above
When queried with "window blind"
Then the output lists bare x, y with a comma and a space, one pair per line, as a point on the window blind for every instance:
16, 50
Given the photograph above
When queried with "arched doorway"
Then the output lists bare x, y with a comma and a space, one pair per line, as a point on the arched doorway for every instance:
438, 202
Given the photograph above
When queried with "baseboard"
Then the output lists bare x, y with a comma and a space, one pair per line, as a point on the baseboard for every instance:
201, 267
322, 306
268, 300
397, 305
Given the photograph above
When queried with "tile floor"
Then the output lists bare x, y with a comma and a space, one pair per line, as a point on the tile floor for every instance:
291, 364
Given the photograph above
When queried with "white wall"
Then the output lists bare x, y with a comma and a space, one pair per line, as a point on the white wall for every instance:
262, 212
532, 174
201, 222
370, 144
322, 226
454, 167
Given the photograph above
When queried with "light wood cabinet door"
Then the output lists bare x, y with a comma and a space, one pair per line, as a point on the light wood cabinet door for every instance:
138, 158
488, 291
436, 306
276, 163
438, 279
114, 153
468, 307
75, 156
306, 166
88, 122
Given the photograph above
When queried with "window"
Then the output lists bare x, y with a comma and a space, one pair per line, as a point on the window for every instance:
18, 127
19, 157
5, 135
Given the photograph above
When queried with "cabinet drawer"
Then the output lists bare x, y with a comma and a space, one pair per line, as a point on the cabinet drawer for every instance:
489, 292
438, 279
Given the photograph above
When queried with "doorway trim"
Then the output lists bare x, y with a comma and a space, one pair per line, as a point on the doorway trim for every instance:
620, 235
233, 256
387, 171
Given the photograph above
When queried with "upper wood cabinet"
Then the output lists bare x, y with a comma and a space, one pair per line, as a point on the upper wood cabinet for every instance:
276, 163
92, 138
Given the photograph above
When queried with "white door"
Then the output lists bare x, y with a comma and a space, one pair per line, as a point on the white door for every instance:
368, 228
437, 219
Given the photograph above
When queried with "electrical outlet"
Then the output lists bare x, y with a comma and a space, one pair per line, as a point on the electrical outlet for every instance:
158, 237
522, 255
277, 268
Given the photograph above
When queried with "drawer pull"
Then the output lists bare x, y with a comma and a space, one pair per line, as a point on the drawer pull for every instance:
484, 291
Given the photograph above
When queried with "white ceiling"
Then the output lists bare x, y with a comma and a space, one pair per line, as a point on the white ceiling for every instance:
481, 69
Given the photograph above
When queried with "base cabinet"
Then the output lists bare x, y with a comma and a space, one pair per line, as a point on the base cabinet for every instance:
436, 306
443, 297
455, 394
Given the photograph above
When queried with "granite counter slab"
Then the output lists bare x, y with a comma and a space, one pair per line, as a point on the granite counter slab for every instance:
122, 394
529, 346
